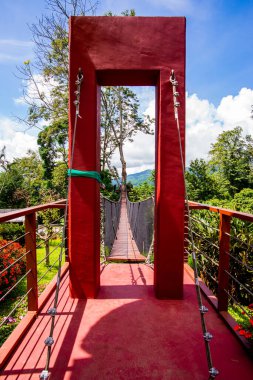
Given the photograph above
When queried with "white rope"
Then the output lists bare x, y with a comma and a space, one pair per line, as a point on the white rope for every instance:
213, 372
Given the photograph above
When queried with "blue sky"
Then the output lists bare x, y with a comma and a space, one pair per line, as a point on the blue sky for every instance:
219, 61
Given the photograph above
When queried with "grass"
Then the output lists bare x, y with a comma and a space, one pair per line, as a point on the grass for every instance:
236, 313
15, 296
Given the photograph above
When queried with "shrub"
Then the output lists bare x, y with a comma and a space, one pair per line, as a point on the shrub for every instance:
12, 231
9, 255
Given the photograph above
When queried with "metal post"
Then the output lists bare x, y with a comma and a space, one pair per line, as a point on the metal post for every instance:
31, 261
223, 277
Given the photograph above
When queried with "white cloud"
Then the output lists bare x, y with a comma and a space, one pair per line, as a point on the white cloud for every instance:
205, 122
16, 43
35, 87
17, 143
15, 50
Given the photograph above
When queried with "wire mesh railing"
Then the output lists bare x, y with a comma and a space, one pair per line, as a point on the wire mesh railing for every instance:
223, 241
26, 266
141, 220
110, 215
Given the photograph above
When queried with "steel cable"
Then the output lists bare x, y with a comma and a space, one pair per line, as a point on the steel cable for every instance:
53, 311
213, 372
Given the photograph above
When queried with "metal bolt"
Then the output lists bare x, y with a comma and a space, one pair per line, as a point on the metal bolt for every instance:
213, 372
208, 336
174, 82
49, 341
44, 375
176, 93
203, 309
177, 104
52, 311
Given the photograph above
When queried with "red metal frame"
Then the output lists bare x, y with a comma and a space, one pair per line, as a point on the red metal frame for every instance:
127, 51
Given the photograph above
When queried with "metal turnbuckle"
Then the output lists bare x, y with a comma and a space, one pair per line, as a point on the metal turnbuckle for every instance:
208, 336
213, 372
49, 341
44, 375
52, 311
203, 309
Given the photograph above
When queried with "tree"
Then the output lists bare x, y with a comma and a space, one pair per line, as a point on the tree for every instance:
21, 182
201, 185
120, 122
232, 157
53, 149
46, 79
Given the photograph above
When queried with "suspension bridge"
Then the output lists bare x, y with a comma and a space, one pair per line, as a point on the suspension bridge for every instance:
126, 316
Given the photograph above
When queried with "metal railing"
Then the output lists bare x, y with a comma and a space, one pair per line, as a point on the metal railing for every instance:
223, 243
141, 219
110, 215
19, 263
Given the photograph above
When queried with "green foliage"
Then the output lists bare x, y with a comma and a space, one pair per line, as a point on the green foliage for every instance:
141, 192
60, 180
127, 12
232, 157
109, 191
243, 201
206, 239
201, 185
12, 231
52, 143
21, 182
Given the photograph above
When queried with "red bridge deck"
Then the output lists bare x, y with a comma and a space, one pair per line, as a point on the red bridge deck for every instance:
126, 333
124, 247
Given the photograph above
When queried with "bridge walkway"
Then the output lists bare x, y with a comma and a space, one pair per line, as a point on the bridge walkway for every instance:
124, 248
126, 333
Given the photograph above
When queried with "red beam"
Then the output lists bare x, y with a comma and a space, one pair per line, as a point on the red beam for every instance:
29, 210
31, 261
223, 278
232, 213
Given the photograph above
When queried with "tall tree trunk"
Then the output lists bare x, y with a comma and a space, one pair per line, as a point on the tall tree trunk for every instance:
121, 142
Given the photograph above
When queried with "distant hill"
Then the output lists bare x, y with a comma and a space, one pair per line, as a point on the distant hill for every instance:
137, 178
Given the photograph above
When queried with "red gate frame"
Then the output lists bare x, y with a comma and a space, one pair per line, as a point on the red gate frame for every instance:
115, 51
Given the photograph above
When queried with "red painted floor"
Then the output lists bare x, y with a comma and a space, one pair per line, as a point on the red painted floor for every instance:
124, 247
128, 334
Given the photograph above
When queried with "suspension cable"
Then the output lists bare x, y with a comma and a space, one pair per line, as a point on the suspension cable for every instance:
44, 375
213, 372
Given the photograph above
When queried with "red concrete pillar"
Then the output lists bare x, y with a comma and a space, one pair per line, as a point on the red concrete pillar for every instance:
116, 51
169, 212
84, 198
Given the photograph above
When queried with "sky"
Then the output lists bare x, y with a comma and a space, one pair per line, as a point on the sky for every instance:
219, 71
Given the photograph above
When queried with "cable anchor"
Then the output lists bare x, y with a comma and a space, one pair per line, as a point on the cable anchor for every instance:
213, 372
49, 341
78, 90
208, 336
44, 375
203, 309
52, 311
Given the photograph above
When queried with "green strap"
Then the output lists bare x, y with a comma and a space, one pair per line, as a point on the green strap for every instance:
81, 173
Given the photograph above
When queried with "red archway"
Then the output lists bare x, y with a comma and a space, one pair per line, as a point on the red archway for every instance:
115, 51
